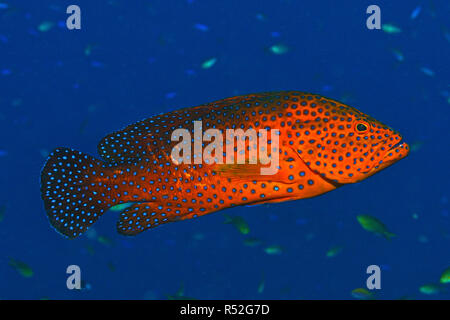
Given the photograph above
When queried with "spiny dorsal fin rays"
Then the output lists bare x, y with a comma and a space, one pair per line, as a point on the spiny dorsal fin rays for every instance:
147, 136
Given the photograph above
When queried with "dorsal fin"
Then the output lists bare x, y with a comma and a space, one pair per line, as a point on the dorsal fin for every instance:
145, 137
149, 136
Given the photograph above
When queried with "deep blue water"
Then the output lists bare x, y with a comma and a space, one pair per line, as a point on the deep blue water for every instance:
134, 59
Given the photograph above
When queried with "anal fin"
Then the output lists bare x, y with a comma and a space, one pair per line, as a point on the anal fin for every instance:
142, 216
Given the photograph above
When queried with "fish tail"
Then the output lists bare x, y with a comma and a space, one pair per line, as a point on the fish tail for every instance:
74, 190
389, 235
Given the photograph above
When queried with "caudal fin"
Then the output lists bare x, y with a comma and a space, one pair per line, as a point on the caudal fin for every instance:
389, 235
73, 187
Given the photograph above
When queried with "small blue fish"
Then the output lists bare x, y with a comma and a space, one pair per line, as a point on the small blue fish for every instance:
275, 34
171, 95
201, 27
427, 71
97, 64
398, 55
415, 13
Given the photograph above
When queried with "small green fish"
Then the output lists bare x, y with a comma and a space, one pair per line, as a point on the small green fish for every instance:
252, 242
431, 288
120, 207
273, 249
238, 222
45, 26
111, 266
390, 28
398, 55
22, 268
179, 295
198, 236
334, 251
90, 250
423, 238
445, 277
310, 236
209, 63
374, 225
415, 146
362, 294
279, 49
261, 285
105, 240
88, 49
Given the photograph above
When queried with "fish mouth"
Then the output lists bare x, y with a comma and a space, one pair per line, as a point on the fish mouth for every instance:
399, 144
396, 152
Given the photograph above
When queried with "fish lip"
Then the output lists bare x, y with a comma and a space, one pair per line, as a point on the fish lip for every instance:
390, 156
399, 144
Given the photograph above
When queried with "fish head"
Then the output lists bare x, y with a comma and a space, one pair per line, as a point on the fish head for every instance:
344, 145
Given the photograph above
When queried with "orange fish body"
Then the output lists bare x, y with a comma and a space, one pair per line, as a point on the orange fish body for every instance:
321, 145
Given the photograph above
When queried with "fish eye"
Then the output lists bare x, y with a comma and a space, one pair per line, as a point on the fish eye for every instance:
361, 127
